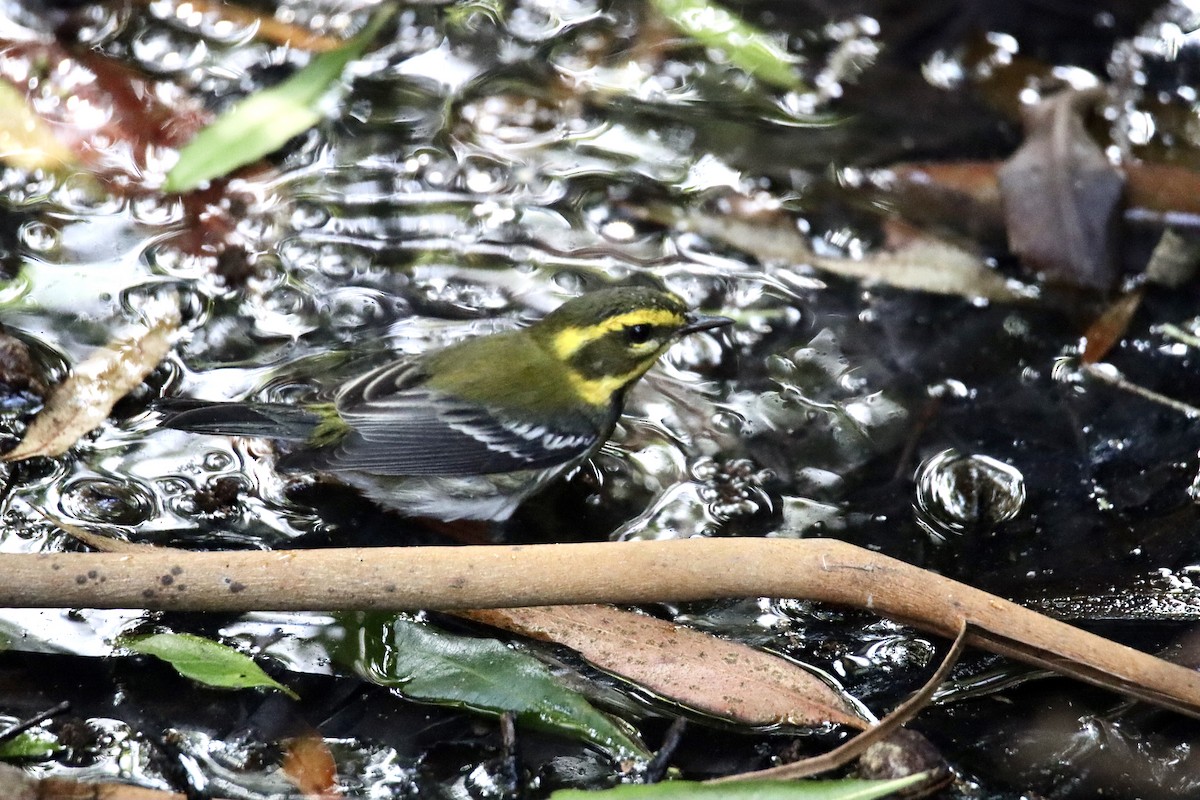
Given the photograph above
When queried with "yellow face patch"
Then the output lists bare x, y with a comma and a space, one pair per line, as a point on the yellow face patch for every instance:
599, 391
569, 341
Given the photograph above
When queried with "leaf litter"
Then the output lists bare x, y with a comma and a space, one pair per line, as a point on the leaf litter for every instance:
84, 400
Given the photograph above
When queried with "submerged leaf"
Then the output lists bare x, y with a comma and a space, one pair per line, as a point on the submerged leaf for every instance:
1062, 197
31, 744
925, 264
747, 47
85, 398
1107, 329
263, 122
479, 674
25, 139
206, 661
749, 790
727, 679
309, 766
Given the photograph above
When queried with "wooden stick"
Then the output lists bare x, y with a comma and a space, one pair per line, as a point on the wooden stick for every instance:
631, 572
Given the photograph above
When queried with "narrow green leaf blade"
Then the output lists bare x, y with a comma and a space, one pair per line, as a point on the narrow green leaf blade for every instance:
265, 121
205, 661
748, 47
31, 744
848, 789
480, 674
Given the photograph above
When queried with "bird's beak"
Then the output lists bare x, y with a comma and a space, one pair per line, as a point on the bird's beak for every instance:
697, 323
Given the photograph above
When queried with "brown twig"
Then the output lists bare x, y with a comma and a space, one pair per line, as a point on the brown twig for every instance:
629, 572
857, 745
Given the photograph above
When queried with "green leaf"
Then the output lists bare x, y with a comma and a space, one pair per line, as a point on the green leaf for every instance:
206, 661
31, 744
479, 674
748, 790
747, 47
265, 121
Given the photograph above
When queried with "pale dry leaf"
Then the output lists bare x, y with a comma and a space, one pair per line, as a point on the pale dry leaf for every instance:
87, 396
926, 264
26, 141
715, 676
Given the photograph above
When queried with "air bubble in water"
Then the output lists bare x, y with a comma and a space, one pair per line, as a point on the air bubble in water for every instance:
959, 493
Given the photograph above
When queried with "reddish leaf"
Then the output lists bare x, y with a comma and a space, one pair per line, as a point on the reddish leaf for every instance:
1110, 326
309, 766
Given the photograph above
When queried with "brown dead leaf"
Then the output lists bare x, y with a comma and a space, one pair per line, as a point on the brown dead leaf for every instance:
1110, 326
1062, 196
715, 676
309, 766
1166, 189
85, 398
961, 198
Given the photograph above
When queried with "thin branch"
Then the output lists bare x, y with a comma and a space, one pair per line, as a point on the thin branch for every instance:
1105, 376
13, 731
857, 745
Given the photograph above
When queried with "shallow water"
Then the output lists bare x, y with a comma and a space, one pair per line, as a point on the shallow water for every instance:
488, 162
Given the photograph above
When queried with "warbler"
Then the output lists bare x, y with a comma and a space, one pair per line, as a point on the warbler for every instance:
470, 430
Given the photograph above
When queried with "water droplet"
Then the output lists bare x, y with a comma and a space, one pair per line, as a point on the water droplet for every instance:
156, 210
217, 461
309, 216
39, 237
956, 493
354, 308
163, 51
101, 500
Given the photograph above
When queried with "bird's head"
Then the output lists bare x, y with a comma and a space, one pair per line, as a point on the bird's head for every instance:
608, 339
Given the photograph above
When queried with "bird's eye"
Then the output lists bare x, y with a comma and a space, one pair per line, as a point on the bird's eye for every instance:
638, 334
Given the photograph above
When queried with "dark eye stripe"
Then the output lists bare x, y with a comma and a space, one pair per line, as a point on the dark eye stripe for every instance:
638, 334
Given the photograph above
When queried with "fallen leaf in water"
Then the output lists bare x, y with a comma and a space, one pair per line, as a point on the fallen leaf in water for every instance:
1110, 326
925, 264
928, 264
748, 47
309, 766
205, 661
1062, 196
87, 396
481, 674
118, 122
1175, 259
263, 122
719, 677
26, 141
841, 789
961, 198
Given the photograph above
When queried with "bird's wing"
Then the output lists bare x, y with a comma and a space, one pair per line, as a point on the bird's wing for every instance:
401, 427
